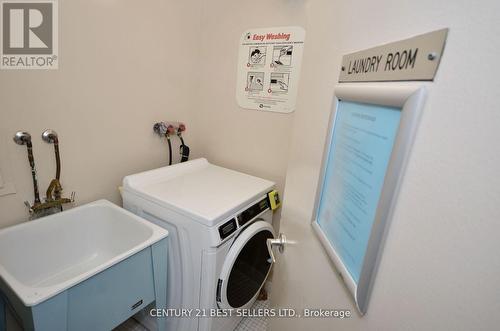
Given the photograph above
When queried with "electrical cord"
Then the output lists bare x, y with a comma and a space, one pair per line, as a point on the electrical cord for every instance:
183, 149
169, 150
165, 129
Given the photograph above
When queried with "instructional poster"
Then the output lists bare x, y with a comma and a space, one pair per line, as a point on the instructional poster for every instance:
360, 149
269, 68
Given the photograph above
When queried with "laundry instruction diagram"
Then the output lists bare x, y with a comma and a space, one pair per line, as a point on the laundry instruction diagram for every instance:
269, 63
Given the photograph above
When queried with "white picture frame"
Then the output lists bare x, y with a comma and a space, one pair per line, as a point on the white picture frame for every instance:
409, 98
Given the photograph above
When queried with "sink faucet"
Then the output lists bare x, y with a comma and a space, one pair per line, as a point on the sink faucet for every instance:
53, 200
54, 191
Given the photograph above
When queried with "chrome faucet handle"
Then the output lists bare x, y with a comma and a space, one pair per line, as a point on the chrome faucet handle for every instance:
49, 136
22, 137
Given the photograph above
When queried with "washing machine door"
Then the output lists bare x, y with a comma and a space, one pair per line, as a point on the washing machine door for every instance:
246, 267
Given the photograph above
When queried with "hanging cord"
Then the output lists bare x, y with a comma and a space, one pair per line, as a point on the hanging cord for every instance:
169, 149
183, 149
170, 131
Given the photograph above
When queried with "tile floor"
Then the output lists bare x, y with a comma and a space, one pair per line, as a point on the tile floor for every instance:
255, 323
247, 324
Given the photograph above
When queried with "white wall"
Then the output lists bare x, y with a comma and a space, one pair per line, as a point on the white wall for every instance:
123, 66
440, 266
246, 140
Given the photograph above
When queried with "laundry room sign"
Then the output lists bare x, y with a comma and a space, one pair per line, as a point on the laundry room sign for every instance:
416, 58
269, 67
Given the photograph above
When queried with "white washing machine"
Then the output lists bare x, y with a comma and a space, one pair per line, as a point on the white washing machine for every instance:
218, 221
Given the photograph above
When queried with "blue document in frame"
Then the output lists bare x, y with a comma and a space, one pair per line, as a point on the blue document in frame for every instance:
361, 146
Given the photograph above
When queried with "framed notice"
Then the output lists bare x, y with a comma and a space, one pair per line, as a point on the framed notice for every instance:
370, 136
269, 63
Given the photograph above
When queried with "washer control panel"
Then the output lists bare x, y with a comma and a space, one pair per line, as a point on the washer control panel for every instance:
227, 228
242, 219
253, 211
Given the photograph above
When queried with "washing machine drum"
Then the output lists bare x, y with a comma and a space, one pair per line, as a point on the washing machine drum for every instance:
246, 267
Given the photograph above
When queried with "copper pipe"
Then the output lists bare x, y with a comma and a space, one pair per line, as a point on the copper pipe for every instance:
58, 159
54, 191
24, 138
31, 160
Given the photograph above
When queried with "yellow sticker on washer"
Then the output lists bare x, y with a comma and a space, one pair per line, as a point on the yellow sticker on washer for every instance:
274, 199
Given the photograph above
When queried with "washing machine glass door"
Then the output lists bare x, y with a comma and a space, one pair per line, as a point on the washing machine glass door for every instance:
246, 267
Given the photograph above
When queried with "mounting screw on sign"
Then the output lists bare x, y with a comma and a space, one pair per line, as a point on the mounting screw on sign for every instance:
432, 56
261, 106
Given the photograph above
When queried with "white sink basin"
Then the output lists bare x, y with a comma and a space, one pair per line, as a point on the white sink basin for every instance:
41, 258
